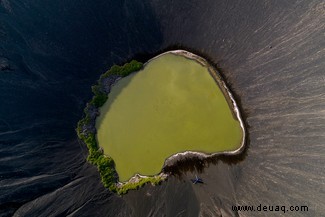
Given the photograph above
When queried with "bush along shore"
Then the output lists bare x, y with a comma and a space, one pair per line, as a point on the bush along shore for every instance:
87, 132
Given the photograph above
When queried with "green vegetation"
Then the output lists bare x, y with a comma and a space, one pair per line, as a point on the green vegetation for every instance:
124, 70
100, 96
105, 164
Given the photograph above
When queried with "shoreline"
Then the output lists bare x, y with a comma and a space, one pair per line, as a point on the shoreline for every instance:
137, 180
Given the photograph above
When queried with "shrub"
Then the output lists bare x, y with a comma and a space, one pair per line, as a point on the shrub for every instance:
99, 99
124, 70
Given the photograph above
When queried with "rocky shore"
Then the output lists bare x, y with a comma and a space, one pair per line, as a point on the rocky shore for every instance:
91, 110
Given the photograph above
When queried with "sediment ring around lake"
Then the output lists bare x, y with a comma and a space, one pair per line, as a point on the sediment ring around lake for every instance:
175, 105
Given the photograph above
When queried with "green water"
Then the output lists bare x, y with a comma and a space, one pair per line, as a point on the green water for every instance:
172, 105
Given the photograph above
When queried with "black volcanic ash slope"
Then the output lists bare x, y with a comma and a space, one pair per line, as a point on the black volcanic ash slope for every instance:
272, 55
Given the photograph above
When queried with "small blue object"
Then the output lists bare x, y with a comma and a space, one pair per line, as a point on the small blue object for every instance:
197, 180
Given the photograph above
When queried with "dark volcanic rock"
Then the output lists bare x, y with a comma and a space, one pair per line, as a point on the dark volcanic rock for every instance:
4, 64
108, 82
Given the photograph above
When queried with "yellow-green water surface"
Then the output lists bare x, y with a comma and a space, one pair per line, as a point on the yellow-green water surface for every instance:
172, 105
